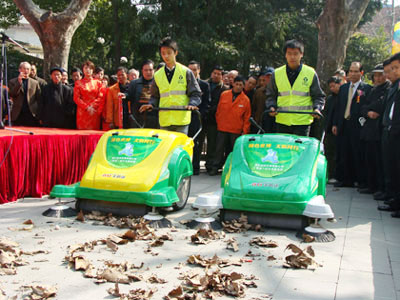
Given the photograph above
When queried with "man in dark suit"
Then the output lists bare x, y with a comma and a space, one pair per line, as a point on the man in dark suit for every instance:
347, 127
26, 96
391, 139
195, 122
372, 130
216, 87
330, 139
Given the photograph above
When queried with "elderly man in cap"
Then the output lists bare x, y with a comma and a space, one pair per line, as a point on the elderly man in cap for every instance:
371, 131
57, 106
258, 104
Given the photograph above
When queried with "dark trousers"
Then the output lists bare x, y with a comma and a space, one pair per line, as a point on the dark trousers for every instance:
394, 166
211, 145
302, 130
223, 138
26, 119
198, 145
373, 163
330, 154
351, 162
390, 156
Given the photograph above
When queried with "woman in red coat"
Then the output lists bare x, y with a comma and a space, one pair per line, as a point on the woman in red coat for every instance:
89, 97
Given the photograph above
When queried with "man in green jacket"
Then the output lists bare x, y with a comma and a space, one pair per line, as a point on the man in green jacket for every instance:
294, 87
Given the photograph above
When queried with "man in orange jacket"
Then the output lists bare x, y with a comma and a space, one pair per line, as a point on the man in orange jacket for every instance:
117, 111
233, 114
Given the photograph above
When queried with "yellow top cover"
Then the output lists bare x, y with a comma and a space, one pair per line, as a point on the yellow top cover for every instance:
133, 159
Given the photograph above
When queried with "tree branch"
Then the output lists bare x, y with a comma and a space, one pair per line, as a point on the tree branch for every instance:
30, 11
75, 9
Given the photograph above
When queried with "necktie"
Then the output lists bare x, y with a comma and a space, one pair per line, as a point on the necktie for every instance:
348, 105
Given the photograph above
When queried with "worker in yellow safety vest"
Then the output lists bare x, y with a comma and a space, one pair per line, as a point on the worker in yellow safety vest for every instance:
294, 87
173, 85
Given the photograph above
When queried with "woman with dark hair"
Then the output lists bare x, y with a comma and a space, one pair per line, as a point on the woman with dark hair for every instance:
89, 97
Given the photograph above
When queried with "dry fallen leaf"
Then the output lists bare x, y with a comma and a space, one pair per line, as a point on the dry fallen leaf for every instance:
81, 263
262, 242
302, 259
42, 292
80, 217
308, 238
110, 244
114, 291
251, 254
240, 225
154, 279
204, 236
177, 292
112, 275
232, 245
271, 257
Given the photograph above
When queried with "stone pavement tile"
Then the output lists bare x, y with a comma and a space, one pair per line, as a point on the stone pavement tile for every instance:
364, 232
367, 259
304, 289
364, 210
392, 234
396, 274
394, 251
355, 285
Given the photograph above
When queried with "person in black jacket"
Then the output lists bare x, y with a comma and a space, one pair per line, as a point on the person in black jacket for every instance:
391, 136
195, 122
138, 94
371, 132
347, 127
330, 139
216, 88
57, 106
385, 194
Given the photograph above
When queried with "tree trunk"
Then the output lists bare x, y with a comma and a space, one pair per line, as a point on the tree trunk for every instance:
117, 33
55, 30
336, 24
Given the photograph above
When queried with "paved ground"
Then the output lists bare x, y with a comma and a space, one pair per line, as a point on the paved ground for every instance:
363, 262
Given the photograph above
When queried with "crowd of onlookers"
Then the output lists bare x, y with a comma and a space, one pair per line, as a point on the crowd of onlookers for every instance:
362, 131
361, 122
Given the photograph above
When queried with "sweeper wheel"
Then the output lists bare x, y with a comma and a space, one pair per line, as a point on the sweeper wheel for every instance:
183, 192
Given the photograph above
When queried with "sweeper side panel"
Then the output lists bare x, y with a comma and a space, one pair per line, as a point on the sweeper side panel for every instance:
273, 174
136, 166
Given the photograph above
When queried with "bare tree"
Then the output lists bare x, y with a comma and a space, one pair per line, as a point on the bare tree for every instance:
55, 30
336, 24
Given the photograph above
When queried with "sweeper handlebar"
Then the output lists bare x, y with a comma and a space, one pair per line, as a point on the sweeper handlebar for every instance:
296, 112
260, 129
183, 108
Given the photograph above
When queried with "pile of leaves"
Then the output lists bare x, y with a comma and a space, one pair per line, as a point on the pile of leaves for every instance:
209, 262
110, 220
136, 294
40, 292
240, 225
118, 273
301, 259
205, 236
11, 256
212, 284
263, 242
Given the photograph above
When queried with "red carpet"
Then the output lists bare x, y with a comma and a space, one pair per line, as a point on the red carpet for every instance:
35, 163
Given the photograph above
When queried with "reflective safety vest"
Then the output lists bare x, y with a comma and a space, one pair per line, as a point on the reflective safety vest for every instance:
173, 94
296, 97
